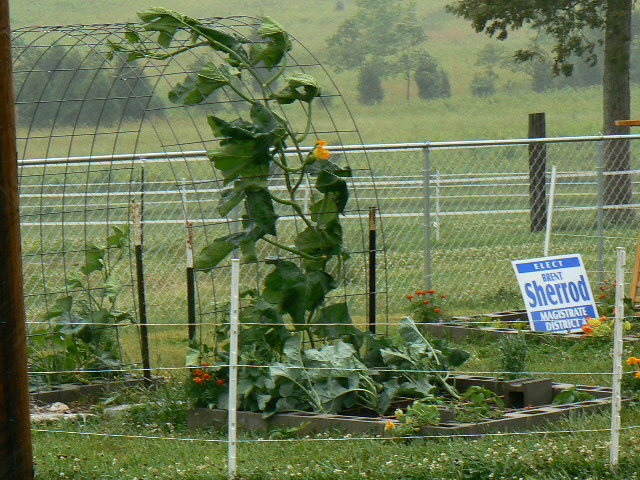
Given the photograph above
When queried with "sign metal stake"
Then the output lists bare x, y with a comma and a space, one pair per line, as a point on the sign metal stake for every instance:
616, 396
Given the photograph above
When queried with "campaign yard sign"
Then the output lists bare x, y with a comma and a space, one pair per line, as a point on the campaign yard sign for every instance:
556, 292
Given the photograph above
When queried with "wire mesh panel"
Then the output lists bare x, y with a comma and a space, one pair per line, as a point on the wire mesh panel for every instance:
96, 133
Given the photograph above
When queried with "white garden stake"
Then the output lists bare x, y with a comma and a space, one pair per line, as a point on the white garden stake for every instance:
552, 193
616, 398
233, 365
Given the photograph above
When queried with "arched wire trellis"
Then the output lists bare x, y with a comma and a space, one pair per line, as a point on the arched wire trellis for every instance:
96, 134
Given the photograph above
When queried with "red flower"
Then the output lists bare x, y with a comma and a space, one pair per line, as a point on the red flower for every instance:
442, 296
221, 381
431, 291
198, 380
426, 302
197, 372
409, 297
603, 295
437, 309
206, 376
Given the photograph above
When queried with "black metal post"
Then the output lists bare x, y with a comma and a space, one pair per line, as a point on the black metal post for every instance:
191, 285
16, 457
537, 173
372, 269
142, 300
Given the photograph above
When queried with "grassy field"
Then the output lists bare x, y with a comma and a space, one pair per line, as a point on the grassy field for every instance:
450, 40
153, 443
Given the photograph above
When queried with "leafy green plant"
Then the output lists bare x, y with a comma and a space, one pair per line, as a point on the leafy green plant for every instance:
333, 378
425, 306
478, 403
295, 290
513, 354
602, 327
571, 395
79, 339
420, 413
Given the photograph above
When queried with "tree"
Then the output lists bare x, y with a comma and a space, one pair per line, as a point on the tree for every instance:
566, 21
73, 86
379, 37
432, 80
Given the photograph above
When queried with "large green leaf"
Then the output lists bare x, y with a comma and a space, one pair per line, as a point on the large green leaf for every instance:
316, 241
319, 283
265, 121
300, 87
277, 45
233, 159
94, 260
60, 306
119, 238
325, 210
335, 321
260, 211
213, 254
229, 199
236, 130
286, 285
196, 88
225, 42
331, 183
165, 22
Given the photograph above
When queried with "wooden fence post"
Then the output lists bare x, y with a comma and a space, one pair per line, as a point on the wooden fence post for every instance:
537, 172
16, 461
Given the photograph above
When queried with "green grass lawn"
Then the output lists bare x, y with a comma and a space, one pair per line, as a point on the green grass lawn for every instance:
153, 442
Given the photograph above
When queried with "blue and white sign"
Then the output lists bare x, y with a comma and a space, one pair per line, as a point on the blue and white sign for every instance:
556, 292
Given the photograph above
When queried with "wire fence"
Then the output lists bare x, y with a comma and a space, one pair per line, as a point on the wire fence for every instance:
454, 215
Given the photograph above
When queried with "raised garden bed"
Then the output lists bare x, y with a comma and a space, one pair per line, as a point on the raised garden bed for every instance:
528, 403
71, 392
459, 329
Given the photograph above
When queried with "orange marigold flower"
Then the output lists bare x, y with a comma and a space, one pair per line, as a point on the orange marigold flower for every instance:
409, 297
638, 374
426, 302
221, 381
420, 292
633, 360
437, 309
431, 291
586, 328
603, 295
206, 376
198, 380
388, 425
319, 151
443, 296
206, 365
197, 372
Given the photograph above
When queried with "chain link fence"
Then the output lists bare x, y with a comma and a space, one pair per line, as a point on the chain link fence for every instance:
453, 215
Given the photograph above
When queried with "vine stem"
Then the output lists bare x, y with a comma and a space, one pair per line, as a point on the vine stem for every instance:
291, 250
293, 205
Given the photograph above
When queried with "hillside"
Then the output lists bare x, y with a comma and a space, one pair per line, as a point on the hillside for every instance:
570, 111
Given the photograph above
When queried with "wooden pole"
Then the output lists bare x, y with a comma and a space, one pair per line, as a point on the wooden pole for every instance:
16, 461
537, 172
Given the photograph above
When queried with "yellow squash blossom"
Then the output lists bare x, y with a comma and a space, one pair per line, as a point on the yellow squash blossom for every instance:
319, 151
